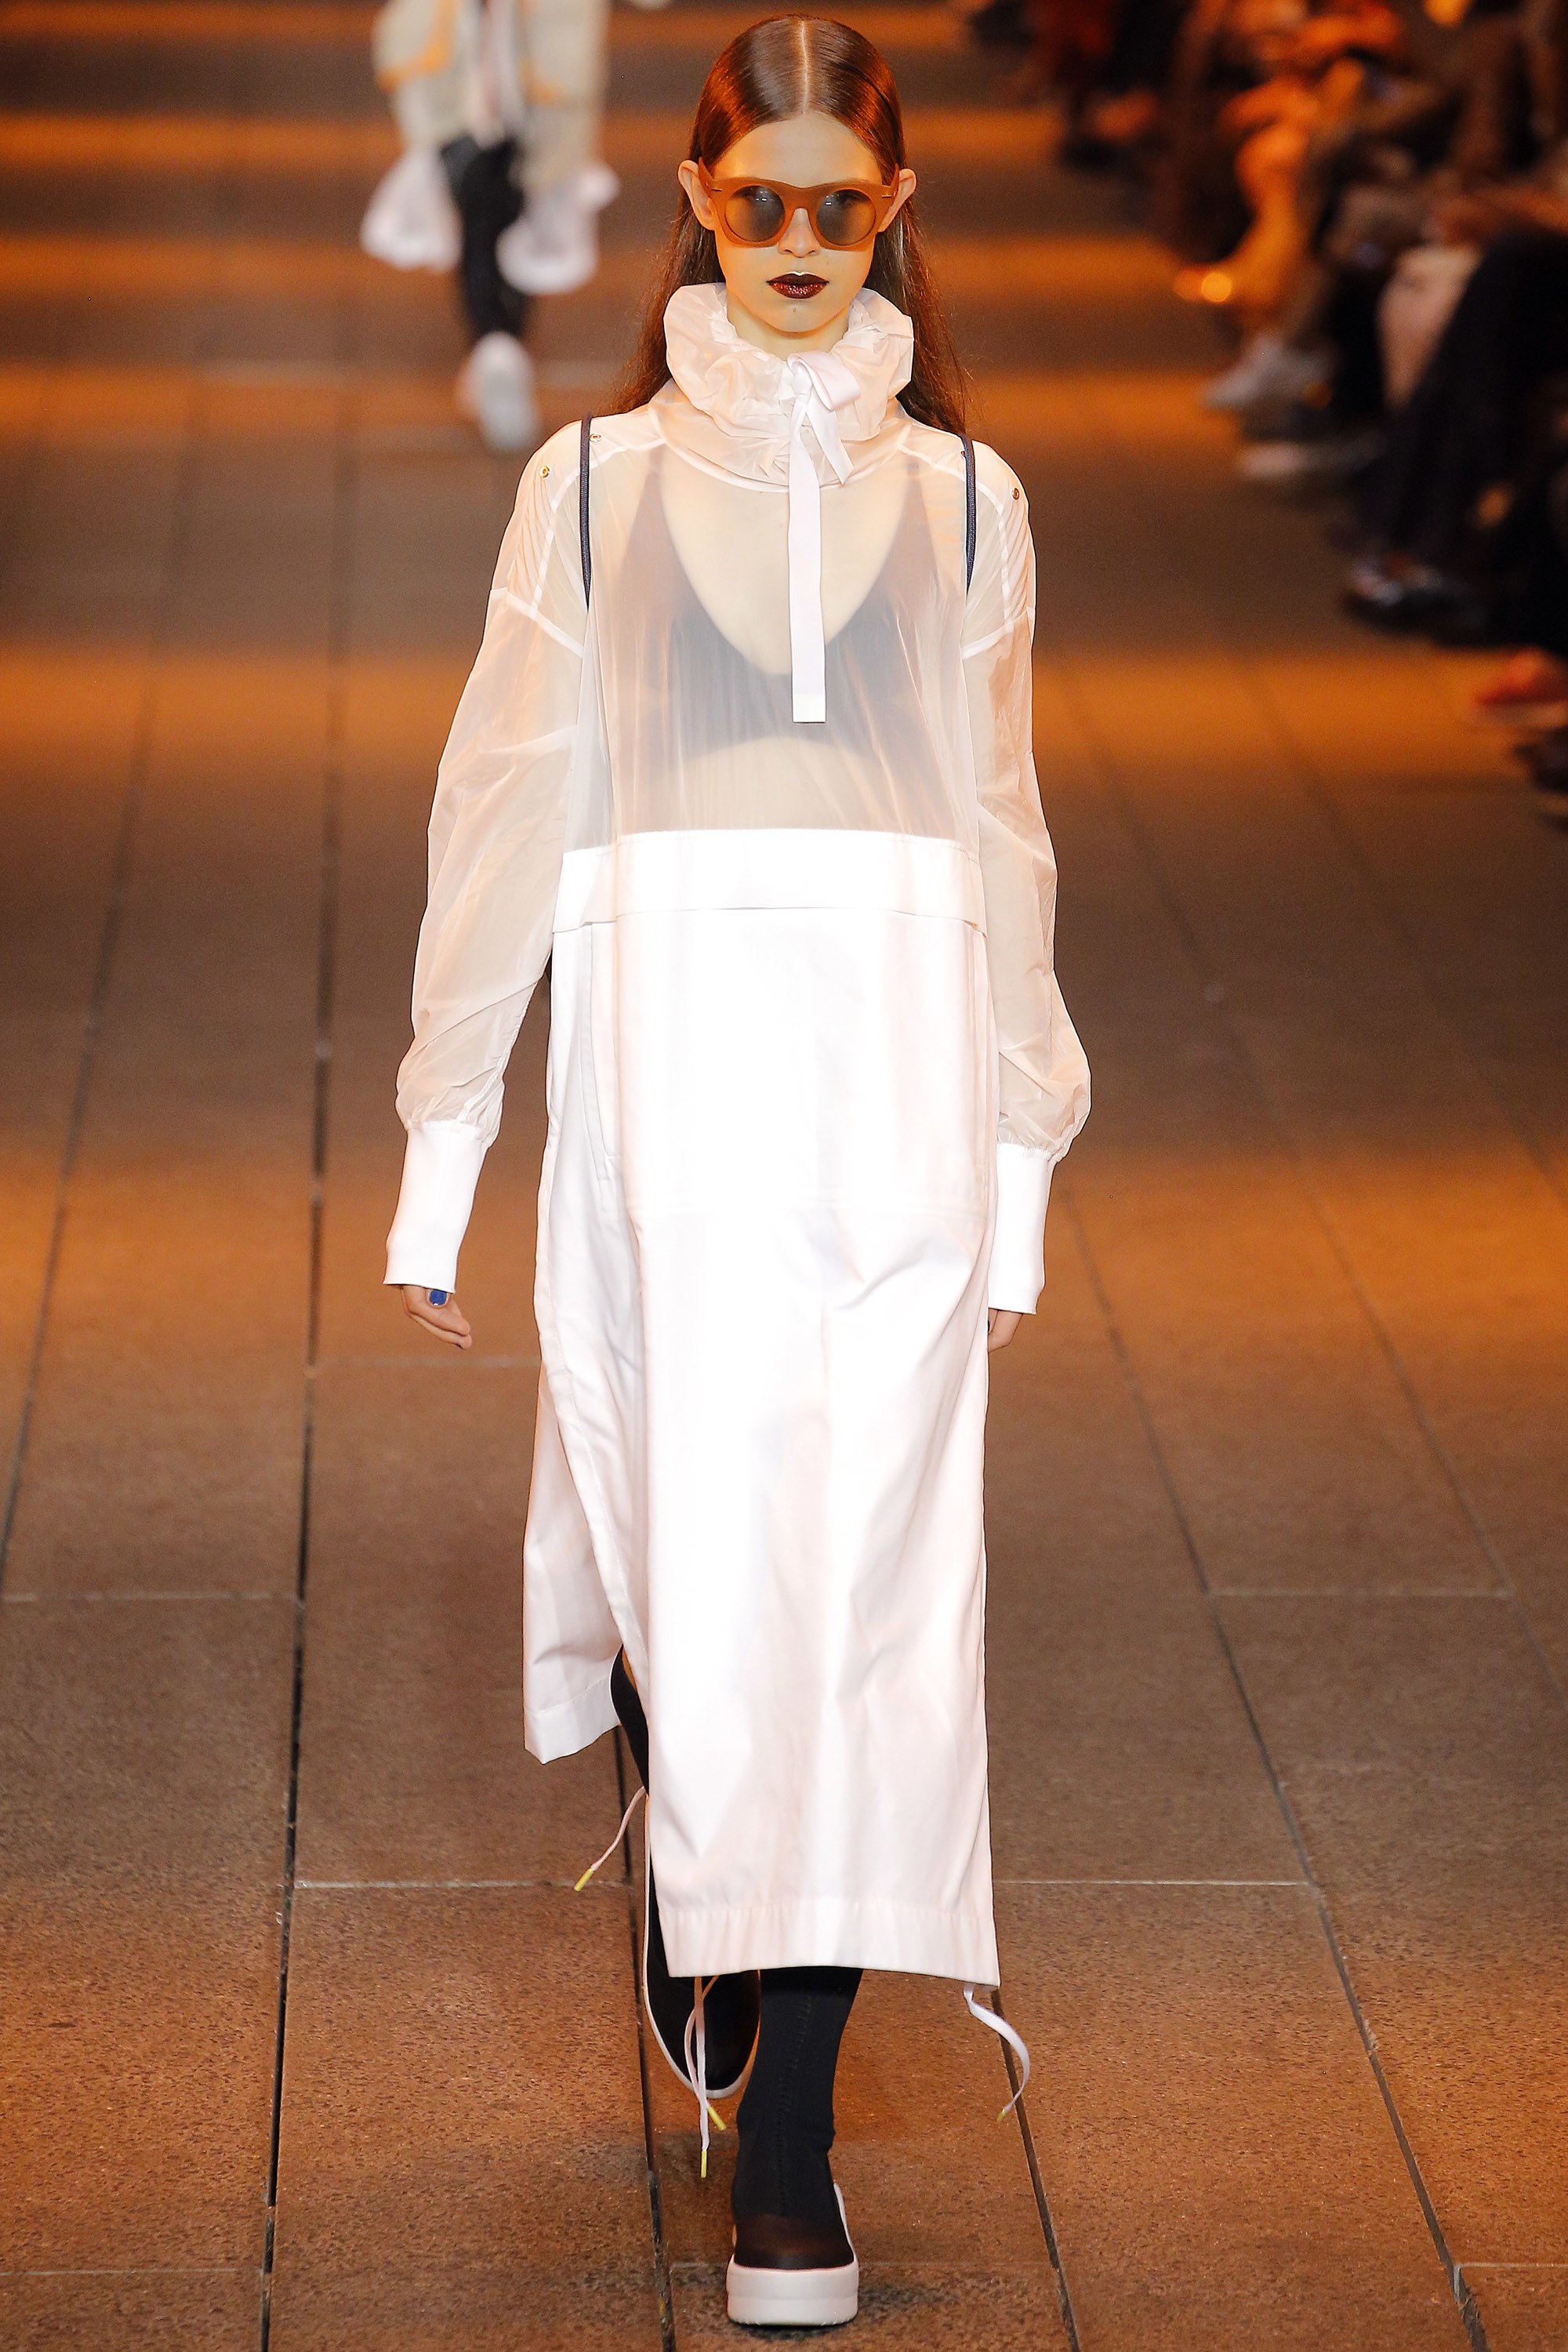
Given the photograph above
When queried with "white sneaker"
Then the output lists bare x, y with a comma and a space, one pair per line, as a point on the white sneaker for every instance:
1285, 464
553, 248
1268, 369
495, 388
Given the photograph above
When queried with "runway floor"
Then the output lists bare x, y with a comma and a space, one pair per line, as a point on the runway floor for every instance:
307, 2040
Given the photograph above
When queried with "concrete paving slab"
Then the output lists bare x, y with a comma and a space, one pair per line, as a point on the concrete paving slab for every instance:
125, 2311
137, 2044
1263, 564
1426, 1754
144, 1755
1219, 2164
427, 530
143, 1743
437, 2310
1523, 2307
1119, 1746
188, 1412
411, 1761
462, 2119
88, 555
177, 1331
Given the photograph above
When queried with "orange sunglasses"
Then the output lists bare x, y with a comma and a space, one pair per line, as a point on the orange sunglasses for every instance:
844, 213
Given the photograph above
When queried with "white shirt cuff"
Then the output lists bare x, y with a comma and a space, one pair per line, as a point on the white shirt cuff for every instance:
1018, 1249
440, 1170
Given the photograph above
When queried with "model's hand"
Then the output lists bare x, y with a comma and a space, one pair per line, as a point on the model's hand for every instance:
447, 1322
1001, 1327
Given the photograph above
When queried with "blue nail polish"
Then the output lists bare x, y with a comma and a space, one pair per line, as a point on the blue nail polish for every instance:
439, 1297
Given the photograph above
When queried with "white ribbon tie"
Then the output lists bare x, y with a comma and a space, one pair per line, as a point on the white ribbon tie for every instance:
1010, 2035
822, 383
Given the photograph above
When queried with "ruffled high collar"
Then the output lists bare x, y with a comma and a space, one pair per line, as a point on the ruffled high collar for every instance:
793, 420
750, 395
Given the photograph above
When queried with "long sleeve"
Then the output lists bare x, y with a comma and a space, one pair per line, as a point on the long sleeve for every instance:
496, 836
1042, 1075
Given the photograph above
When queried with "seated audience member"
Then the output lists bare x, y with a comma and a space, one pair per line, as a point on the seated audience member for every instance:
1384, 268
1454, 515
1375, 191
1121, 113
1289, 135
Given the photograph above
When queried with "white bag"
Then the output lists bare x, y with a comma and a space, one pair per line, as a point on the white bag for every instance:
411, 221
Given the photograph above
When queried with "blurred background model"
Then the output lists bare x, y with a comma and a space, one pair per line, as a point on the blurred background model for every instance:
499, 104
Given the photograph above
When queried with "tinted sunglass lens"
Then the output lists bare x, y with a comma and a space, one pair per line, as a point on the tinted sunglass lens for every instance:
846, 217
754, 215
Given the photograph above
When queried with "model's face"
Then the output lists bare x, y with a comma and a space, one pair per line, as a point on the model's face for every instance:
795, 293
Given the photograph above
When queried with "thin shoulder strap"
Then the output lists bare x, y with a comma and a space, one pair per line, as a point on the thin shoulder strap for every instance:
969, 516
583, 453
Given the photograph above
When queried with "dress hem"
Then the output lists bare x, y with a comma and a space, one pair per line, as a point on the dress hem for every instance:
831, 1932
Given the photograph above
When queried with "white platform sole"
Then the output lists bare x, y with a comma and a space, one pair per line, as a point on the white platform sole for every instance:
767, 2298
794, 2298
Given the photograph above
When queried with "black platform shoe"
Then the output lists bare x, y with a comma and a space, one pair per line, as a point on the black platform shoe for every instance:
786, 2273
731, 2005
793, 2266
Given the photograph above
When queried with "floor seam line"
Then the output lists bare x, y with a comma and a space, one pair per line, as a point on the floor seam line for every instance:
345, 486
661, 2268
1036, 2183
440, 1885
140, 2270
1292, 1885
116, 896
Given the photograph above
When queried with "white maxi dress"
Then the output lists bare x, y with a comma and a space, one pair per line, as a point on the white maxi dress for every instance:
765, 799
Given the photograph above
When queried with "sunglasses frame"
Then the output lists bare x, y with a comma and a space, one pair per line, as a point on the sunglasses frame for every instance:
795, 199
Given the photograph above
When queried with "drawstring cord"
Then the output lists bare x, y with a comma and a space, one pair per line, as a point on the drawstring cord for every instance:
594, 1869
696, 2065
821, 384
1015, 2040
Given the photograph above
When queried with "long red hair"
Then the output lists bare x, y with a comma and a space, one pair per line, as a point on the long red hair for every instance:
775, 70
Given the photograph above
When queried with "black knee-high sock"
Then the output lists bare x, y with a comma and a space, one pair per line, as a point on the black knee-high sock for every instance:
786, 2114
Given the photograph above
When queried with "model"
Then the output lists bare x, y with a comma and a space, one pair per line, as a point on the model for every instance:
746, 754
498, 103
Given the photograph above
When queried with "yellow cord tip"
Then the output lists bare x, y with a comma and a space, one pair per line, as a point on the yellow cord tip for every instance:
583, 1882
